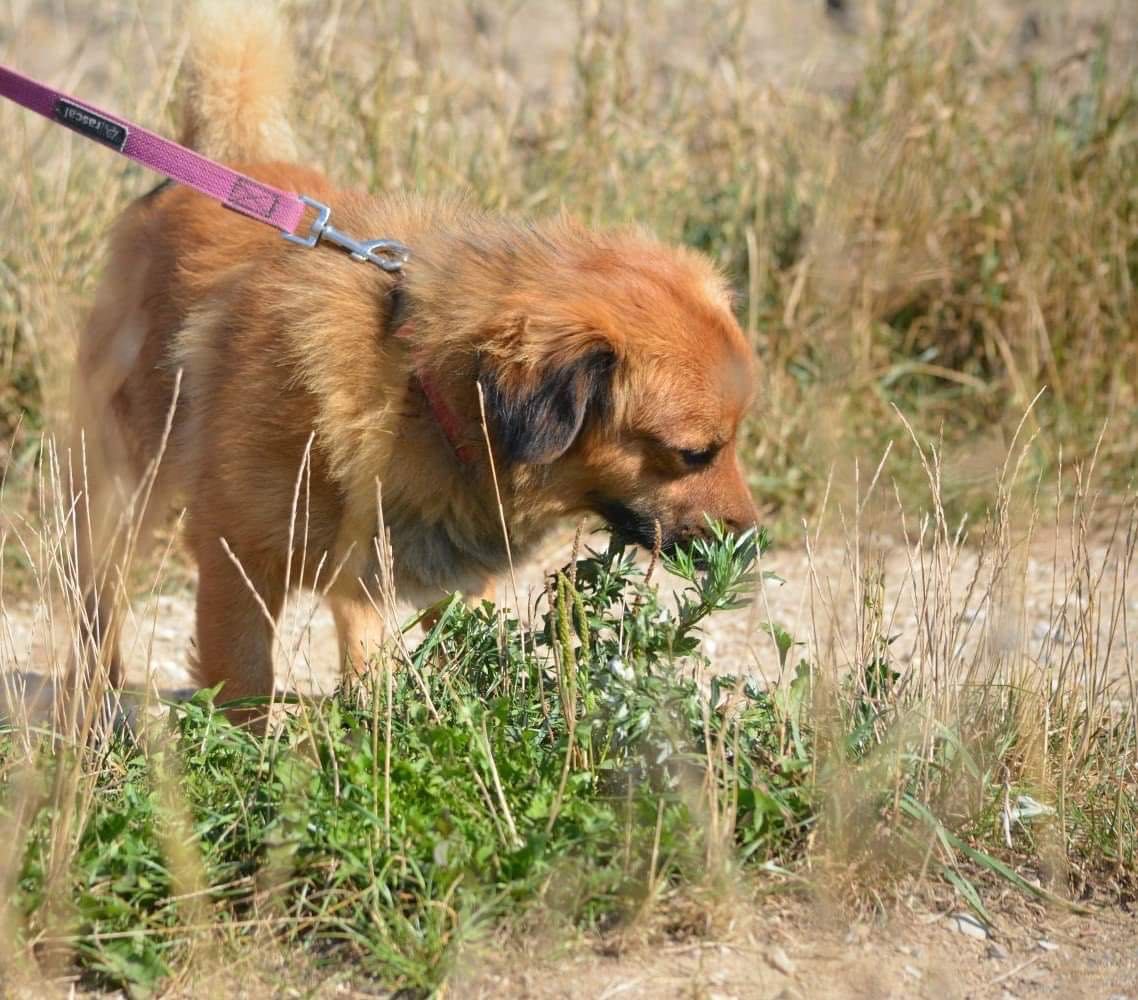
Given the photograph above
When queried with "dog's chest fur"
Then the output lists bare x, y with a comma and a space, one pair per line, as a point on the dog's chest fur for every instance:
433, 556
459, 548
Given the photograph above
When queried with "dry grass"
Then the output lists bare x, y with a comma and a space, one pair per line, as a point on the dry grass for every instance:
934, 215
935, 211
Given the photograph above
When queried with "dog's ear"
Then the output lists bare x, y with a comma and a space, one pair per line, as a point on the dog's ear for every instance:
539, 397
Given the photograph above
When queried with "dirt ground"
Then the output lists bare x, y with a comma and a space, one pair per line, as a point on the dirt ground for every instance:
779, 948
804, 951
817, 592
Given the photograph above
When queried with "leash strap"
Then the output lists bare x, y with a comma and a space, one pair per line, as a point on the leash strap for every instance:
235, 190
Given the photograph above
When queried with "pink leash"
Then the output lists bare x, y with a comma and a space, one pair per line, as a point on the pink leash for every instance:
239, 192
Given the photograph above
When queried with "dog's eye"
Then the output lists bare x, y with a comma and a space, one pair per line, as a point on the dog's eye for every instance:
697, 459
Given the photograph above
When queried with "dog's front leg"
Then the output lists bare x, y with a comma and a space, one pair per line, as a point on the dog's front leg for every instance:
236, 613
359, 629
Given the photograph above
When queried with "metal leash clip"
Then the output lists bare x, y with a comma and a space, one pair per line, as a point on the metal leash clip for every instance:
390, 255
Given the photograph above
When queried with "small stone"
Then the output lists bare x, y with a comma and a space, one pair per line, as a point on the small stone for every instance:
912, 971
969, 926
998, 952
1046, 945
780, 960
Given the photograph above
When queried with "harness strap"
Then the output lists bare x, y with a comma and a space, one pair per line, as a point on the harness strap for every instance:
447, 420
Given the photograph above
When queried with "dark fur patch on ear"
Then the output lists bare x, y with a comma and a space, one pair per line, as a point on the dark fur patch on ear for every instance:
538, 427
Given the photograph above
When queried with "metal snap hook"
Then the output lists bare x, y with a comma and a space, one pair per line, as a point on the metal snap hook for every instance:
390, 255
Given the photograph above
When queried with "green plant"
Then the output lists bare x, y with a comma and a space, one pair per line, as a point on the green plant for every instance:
394, 826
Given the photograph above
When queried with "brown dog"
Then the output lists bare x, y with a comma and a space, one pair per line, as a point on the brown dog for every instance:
613, 374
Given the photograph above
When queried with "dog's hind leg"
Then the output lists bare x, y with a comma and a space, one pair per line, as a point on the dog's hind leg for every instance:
118, 491
105, 554
101, 548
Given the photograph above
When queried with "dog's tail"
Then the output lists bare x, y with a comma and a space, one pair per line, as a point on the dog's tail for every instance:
236, 82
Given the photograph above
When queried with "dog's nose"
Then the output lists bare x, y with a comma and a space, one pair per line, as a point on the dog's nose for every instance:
739, 518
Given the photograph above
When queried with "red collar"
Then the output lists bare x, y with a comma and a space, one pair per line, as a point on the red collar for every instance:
448, 421
446, 418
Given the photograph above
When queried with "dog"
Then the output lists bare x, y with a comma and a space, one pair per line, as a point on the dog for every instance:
240, 378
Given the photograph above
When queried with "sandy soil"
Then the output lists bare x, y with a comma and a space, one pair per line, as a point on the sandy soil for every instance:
779, 949
806, 951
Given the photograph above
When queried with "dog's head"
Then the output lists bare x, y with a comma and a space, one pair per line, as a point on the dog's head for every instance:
615, 378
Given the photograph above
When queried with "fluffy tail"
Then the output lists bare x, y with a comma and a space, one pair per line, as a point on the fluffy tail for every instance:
236, 82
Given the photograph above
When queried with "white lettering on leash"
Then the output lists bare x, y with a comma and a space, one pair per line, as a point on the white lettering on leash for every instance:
90, 124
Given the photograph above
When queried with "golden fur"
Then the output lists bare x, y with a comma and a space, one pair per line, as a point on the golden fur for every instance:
614, 375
